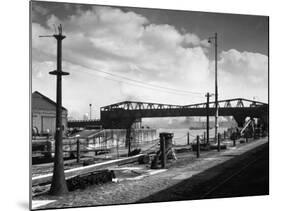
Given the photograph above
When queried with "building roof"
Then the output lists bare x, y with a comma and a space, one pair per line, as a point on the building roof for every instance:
41, 102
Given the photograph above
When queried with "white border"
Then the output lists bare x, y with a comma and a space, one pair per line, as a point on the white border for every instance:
15, 102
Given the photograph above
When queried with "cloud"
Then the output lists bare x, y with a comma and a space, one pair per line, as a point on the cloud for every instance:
121, 42
251, 65
191, 40
248, 66
39, 9
244, 74
40, 70
127, 44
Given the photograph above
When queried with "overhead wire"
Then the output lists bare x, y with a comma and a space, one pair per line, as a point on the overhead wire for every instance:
137, 81
143, 84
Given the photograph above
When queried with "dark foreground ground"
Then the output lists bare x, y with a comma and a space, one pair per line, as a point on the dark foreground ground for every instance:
246, 175
238, 171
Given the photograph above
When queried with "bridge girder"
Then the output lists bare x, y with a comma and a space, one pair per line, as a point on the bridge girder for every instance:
123, 114
121, 118
135, 105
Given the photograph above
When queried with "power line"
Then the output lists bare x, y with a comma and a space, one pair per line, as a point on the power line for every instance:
141, 82
145, 85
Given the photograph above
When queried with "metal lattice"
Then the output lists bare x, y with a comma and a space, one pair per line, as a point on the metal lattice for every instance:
133, 105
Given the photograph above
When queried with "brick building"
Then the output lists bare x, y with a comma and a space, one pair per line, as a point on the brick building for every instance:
44, 115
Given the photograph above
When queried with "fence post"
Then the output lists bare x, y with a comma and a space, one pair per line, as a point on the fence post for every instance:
188, 138
261, 131
204, 137
234, 142
78, 151
128, 140
117, 146
219, 142
49, 148
198, 148
224, 135
163, 151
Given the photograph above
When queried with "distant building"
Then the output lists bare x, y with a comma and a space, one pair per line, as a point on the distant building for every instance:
44, 115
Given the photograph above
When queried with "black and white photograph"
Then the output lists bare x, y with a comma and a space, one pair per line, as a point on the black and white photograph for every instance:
134, 105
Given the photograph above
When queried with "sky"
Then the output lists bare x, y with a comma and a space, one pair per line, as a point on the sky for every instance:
115, 54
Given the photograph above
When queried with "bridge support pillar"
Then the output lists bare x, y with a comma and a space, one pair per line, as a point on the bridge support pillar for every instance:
265, 123
240, 119
128, 143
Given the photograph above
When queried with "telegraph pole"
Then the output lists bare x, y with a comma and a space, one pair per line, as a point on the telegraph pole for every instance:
58, 186
216, 87
215, 38
207, 115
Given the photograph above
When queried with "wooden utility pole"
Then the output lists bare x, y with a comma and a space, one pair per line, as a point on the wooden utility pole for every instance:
215, 38
208, 95
207, 111
58, 186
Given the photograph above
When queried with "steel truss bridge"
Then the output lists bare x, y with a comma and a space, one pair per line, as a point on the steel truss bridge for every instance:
124, 114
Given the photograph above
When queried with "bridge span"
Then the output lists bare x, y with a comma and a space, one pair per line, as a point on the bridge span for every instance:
124, 114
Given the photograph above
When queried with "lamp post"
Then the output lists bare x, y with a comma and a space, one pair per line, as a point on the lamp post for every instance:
58, 185
215, 40
90, 111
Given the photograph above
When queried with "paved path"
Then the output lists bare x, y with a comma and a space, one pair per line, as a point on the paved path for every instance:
137, 190
244, 175
249, 181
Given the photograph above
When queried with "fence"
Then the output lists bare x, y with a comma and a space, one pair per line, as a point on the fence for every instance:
111, 143
104, 144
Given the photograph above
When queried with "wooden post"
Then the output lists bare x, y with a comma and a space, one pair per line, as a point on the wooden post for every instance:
188, 138
78, 151
234, 142
224, 135
204, 137
128, 139
117, 146
198, 148
260, 131
208, 113
163, 151
219, 142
